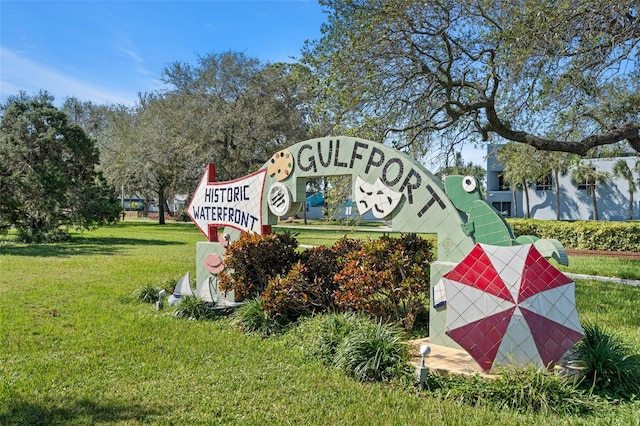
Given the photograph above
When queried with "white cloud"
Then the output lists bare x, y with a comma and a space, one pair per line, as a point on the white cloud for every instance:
126, 48
21, 73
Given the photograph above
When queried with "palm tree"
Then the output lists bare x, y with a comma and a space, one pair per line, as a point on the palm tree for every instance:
586, 174
621, 169
520, 168
461, 168
557, 164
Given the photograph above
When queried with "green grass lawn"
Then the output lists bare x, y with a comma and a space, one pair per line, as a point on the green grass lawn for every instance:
75, 348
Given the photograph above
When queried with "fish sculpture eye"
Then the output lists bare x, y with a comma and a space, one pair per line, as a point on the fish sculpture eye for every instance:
469, 183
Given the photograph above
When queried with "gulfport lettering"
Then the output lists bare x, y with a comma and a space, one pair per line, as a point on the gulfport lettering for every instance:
324, 154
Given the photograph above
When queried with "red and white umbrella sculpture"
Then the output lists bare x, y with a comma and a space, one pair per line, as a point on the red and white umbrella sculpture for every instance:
509, 305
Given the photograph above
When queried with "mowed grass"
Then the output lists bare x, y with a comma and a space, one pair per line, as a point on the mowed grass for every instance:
75, 348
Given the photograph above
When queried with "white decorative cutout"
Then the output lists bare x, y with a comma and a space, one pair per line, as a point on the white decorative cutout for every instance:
377, 197
439, 295
279, 199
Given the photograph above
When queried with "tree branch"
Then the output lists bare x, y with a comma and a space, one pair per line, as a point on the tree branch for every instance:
628, 131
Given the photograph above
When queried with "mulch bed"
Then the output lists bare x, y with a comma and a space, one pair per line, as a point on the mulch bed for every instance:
604, 253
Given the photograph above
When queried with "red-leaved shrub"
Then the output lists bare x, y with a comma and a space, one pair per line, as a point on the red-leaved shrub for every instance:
291, 296
388, 278
253, 259
322, 263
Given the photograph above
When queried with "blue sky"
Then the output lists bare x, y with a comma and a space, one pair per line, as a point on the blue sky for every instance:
108, 51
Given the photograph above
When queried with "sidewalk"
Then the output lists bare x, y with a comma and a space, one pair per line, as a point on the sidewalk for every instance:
446, 360
443, 359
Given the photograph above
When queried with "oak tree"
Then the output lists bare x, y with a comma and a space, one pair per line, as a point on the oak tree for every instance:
431, 70
243, 110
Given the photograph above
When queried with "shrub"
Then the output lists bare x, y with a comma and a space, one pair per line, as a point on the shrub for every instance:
251, 317
373, 352
322, 263
387, 278
583, 235
254, 260
610, 367
52, 235
193, 308
344, 246
182, 216
289, 297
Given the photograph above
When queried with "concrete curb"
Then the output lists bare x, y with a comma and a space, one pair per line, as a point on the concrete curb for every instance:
632, 283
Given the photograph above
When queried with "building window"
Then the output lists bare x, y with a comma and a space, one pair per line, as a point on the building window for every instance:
589, 180
545, 184
584, 185
502, 185
504, 207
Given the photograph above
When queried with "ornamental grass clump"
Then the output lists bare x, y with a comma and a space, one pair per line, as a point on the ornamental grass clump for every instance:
522, 389
197, 309
374, 352
147, 294
611, 369
252, 317
530, 389
322, 334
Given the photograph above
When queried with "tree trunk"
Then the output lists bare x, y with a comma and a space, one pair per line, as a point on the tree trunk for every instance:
526, 198
515, 203
557, 178
630, 205
161, 201
595, 202
147, 198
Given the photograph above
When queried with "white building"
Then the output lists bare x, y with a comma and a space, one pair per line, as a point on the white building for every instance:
575, 200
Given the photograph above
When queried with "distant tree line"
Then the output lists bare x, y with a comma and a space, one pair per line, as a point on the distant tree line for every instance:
425, 77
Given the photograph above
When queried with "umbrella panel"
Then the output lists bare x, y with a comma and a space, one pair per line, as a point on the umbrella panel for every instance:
485, 319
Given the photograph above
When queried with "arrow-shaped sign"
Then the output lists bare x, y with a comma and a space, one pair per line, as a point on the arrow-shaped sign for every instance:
236, 203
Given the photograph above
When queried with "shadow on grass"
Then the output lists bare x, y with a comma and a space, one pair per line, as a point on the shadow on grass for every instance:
81, 246
83, 411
